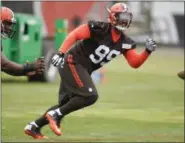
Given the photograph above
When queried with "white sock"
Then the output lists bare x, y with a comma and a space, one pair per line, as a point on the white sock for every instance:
33, 123
58, 111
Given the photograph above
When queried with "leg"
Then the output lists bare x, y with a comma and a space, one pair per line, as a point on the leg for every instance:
63, 99
42, 120
34, 127
80, 87
76, 103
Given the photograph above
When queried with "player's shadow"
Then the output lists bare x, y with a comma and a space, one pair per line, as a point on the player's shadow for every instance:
18, 81
13, 81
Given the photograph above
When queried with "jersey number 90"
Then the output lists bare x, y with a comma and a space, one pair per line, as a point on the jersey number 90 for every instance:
101, 52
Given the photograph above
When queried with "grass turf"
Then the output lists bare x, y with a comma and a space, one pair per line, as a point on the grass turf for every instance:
145, 104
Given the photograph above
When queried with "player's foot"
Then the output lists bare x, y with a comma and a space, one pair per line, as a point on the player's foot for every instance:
53, 118
34, 132
59, 120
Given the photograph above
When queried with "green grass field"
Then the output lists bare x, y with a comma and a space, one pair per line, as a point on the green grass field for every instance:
135, 105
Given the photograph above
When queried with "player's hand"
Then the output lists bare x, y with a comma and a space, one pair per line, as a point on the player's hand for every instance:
150, 44
36, 67
58, 59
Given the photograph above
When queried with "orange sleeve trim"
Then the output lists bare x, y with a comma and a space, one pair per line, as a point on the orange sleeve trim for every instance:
134, 59
81, 32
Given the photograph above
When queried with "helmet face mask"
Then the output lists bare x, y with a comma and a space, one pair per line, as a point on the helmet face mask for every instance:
123, 20
8, 29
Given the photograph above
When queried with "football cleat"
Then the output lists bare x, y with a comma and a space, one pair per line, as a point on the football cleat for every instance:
53, 118
58, 122
34, 132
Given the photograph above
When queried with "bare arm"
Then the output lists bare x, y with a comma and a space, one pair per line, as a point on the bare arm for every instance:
134, 59
81, 32
10, 67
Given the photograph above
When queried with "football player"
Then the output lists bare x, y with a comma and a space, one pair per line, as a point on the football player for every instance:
7, 31
86, 49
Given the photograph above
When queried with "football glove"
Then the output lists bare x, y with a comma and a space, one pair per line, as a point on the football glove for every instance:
36, 67
150, 44
58, 60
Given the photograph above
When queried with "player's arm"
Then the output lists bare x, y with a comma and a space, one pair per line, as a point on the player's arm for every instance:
80, 33
15, 69
134, 59
10, 67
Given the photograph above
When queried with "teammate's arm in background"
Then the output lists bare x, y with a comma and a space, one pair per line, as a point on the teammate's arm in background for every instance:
11, 67
15, 69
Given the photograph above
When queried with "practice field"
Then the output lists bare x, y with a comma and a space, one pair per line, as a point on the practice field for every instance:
135, 105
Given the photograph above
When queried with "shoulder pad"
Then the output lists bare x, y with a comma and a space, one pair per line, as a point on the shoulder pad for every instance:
128, 43
97, 25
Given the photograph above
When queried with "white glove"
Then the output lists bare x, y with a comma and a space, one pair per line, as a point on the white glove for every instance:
150, 44
58, 60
